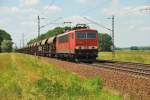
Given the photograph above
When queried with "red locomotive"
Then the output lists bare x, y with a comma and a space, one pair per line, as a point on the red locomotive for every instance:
80, 44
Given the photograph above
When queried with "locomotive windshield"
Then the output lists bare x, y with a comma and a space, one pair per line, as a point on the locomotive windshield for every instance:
80, 35
85, 35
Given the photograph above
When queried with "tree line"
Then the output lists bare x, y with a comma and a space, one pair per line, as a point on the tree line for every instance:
5, 41
134, 48
104, 39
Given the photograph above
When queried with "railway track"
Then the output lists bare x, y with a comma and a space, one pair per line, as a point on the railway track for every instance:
128, 67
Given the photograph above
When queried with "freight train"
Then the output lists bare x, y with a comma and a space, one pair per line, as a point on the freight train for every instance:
78, 44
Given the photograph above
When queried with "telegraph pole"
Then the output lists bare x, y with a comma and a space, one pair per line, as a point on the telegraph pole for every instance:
113, 42
38, 26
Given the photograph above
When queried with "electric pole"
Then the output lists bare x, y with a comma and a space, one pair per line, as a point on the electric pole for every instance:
20, 43
23, 40
112, 36
38, 26
113, 42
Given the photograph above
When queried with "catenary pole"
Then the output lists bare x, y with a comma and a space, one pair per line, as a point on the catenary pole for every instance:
22, 39
113, 42
38, 26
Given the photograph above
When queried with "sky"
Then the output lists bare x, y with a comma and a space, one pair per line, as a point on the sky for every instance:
132, 22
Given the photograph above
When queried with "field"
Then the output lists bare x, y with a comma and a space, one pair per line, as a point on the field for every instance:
27, 77
127, 56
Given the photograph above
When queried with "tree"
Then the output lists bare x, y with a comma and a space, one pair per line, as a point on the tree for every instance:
104, 42
50, 33
4, 36
134, 48
6, 45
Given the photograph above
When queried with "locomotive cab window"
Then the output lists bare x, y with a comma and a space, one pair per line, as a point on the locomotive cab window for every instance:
80, 35
85, 35
91, 35
63, 38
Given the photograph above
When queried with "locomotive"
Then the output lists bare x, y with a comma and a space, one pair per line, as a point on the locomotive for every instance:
79, 44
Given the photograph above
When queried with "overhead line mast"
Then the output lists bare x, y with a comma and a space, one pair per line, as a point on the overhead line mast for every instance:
38, 26
23, 40
38, 17
113, 42
112, 31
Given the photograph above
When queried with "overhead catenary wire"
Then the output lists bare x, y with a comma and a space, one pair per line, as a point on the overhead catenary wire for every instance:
94, 22
132, 9
51, 3
52, 22
89, 10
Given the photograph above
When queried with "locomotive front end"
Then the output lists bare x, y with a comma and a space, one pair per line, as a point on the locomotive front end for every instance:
86, 45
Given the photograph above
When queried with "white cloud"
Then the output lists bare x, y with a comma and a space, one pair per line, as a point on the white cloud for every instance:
131, 27
14, 10
52, 9
23, 19
124, 11
145, 28
8, 9
29, 3
115, 2
86, 1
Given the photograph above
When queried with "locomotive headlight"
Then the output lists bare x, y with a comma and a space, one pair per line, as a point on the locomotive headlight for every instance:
78, 47
95, 47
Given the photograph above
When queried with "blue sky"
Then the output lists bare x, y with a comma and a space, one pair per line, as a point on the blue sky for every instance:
132, 24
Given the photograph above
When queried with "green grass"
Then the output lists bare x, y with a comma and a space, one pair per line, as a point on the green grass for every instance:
24, 77
127, 56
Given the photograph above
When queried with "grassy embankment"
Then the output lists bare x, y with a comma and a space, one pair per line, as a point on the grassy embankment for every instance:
127, 56
27, 77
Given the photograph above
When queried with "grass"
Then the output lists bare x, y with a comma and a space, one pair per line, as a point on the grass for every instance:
25, 77
127, 56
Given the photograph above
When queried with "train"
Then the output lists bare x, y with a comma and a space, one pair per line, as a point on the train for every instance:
78, 44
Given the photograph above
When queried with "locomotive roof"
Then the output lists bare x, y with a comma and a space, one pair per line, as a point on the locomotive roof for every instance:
85, 30
77, 30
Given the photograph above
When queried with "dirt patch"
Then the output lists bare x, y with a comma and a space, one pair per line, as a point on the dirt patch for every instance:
135, 86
